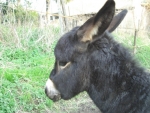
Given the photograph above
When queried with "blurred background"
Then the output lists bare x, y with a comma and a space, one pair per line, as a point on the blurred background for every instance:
29, 31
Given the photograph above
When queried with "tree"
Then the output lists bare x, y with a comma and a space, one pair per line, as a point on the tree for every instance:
67, 1
47, 10
64, 14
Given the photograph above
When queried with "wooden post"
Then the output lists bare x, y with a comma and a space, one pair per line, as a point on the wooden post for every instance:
134, 44
137, 20
64, 14
47, 11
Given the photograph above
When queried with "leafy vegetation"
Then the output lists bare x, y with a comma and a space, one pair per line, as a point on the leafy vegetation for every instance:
23, 16
142, 49
26, 59
18, 14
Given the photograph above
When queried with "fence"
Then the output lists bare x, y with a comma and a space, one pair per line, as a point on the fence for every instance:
23, 17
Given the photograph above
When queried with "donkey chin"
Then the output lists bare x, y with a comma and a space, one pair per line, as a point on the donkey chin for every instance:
51, 91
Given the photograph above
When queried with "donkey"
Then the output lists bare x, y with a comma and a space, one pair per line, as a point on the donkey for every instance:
89, 59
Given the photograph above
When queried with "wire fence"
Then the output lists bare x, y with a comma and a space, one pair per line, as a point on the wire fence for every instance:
15, 18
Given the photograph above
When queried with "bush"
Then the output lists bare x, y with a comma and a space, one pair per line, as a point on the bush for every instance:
25, 16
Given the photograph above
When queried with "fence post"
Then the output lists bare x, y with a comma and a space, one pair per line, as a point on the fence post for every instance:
134, 44
60, 18
137, 20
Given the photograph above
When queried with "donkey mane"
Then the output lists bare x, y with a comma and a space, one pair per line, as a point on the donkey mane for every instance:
124, 77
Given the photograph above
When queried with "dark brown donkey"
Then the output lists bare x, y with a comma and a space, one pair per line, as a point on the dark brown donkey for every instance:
89, 59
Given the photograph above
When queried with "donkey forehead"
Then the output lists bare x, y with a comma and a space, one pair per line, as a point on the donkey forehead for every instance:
65, 46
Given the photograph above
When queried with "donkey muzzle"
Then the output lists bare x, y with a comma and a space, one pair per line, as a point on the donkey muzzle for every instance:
51, 91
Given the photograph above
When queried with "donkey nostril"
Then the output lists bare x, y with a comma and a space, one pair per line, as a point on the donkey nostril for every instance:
51, 92
56, 98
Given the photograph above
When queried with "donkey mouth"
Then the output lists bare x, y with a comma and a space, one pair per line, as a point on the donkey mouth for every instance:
54, 98
51, 92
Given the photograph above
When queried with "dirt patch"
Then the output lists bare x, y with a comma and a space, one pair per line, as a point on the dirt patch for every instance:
79, 104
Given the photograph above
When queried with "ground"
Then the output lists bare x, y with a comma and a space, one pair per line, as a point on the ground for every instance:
79, 104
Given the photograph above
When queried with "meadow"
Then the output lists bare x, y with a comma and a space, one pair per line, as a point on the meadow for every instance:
26, 59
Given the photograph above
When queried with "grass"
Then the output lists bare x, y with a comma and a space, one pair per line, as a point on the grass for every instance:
142, 51
26, 58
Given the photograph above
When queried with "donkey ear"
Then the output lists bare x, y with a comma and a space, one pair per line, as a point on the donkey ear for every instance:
97, 24
117, 20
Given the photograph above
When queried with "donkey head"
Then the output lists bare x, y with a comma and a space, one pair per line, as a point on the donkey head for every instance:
72, 71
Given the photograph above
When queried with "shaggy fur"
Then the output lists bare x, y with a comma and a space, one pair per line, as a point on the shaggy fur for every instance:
100, 66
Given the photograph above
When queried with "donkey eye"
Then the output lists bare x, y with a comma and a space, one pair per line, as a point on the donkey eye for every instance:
62, 63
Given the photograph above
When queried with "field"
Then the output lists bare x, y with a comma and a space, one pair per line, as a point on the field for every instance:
26, 58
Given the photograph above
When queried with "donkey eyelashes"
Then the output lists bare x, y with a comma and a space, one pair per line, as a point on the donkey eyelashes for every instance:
62, 63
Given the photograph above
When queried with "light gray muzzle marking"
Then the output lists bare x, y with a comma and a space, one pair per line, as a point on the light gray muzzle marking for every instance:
51, 91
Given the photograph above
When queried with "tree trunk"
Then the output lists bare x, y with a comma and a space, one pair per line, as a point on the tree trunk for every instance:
18, 2
64, 14
47, 11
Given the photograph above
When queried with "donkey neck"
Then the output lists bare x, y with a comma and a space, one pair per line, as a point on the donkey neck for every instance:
129, 91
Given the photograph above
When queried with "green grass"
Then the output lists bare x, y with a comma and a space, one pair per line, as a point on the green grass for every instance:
22, 88
24, 68
22, 82
142, 51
